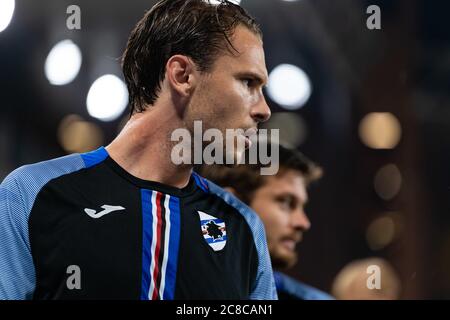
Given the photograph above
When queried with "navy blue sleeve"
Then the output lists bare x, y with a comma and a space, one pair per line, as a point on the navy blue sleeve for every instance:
17, 277
18, 193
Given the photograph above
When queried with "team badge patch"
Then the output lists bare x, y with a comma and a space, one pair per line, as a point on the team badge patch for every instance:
214, 231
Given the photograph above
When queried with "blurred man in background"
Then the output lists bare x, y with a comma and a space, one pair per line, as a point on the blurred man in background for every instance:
279, 200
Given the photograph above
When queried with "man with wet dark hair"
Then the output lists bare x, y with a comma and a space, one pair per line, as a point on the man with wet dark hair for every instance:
194, 29
125, 221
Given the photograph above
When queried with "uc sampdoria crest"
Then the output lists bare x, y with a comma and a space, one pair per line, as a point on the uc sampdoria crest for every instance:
213, 230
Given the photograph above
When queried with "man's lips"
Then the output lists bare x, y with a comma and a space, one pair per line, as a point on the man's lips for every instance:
291, 242
251, 132
248, 135
248, 142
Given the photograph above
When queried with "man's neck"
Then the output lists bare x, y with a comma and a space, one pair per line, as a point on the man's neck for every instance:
143, 148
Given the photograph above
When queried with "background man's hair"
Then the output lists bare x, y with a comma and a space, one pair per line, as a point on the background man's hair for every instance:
195, 28
245, 179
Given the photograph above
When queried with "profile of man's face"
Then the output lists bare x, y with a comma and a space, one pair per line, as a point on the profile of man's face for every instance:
230, 95
280, 204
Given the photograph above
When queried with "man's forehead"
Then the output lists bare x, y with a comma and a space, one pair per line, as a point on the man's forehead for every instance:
290, 181
250, 52
243, 37
288, 178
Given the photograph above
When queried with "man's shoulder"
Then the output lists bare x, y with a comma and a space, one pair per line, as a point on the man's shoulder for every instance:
40, 170
26, 181
295, 289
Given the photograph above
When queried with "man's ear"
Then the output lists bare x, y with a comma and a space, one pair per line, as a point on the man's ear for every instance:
181, 75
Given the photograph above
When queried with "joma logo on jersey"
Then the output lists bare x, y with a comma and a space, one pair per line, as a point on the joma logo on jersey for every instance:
213, 230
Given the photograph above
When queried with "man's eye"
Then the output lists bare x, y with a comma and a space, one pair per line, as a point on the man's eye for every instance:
284, 203
247, 82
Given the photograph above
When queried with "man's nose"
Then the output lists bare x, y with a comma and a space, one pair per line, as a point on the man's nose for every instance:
300, 220
261, 111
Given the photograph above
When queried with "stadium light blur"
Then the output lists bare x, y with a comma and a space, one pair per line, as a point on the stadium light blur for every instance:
388, 181
380, 130
6, 13
63, 63
293, 129
289, 86
77, 135
380, 233
107, 98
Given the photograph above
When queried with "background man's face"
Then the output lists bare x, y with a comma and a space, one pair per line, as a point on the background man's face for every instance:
230, 96
280, 204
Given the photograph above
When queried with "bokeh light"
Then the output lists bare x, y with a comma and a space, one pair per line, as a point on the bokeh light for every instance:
388, 181
293, 129
107, 98
77, 135
6, 13
63, 63
289, 86
380, 130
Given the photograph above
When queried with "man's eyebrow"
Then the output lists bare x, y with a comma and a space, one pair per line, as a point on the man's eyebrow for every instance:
262, 80
293, 197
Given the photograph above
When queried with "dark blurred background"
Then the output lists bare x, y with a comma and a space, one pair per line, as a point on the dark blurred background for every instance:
371, 106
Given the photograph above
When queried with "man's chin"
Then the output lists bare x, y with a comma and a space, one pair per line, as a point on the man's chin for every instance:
284, 261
